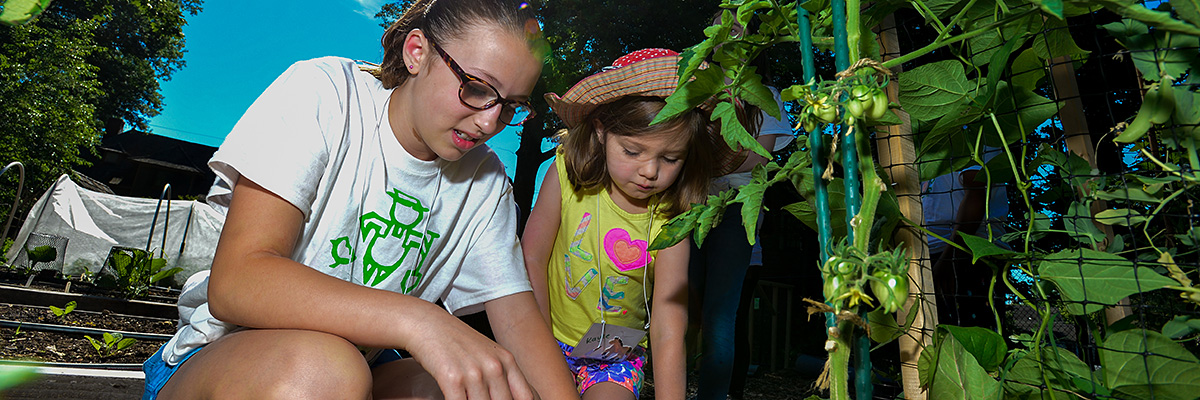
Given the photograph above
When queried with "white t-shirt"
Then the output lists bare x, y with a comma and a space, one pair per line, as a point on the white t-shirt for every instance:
780, 129
374, 215
942, 197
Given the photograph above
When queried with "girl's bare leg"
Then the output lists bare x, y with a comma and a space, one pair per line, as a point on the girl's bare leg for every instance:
273, 364
606, 391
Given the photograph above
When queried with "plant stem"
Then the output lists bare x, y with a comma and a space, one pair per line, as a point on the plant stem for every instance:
937, 44
839, 362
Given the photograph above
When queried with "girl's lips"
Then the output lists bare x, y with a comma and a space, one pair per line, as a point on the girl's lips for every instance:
463, 140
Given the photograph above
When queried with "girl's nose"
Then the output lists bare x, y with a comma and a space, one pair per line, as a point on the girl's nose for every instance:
649, 170
488, 120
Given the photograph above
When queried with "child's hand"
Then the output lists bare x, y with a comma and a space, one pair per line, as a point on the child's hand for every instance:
466, 364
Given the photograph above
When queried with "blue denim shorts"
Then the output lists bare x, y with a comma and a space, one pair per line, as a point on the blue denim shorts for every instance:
158, 372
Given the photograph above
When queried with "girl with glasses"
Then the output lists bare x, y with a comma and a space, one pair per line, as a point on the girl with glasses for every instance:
356, 198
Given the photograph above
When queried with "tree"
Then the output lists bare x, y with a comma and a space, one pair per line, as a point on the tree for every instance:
81, 68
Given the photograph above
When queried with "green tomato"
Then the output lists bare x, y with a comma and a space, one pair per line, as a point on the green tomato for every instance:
808, 124
865, 95
860, 92
879, 105
833, 287
890, 289
825, 113
855, 107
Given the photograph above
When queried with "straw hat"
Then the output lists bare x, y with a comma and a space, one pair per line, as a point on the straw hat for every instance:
645, 72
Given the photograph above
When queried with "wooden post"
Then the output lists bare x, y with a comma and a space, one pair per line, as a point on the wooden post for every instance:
898, 156
1079, 141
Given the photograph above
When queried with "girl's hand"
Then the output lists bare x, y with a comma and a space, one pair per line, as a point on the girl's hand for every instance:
466, 364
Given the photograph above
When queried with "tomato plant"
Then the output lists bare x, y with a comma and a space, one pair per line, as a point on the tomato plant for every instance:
964, 104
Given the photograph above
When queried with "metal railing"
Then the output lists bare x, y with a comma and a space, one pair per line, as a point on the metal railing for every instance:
16, 198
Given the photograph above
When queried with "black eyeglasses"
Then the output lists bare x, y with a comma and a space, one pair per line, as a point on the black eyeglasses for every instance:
478, 94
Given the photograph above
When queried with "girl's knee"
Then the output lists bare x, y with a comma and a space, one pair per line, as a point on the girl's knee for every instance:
269, 364
320, 366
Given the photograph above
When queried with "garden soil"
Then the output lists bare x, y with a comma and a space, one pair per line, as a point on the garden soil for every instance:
29, 344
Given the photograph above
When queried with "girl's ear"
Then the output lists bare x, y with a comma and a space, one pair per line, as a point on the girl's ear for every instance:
416, 49
600, 134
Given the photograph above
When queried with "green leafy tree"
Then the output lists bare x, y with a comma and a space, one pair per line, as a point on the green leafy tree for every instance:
48, 93
81, 69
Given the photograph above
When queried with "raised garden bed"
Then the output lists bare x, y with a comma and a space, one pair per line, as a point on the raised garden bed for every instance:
34, 333
31, 333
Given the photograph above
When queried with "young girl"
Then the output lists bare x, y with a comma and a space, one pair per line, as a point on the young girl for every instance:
356, 200
614, 184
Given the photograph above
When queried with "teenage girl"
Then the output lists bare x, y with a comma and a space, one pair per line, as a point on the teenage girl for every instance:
615, 182
355, 201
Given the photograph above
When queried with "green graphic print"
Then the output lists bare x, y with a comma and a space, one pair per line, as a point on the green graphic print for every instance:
389, 242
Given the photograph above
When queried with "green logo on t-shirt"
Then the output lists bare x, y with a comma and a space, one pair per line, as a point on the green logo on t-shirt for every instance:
390, 241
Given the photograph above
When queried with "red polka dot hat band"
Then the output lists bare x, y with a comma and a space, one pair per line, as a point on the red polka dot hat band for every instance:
646, 72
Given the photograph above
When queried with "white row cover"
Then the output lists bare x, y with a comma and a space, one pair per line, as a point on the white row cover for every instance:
94, 222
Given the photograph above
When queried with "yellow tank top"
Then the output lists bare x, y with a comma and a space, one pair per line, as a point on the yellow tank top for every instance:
599, 263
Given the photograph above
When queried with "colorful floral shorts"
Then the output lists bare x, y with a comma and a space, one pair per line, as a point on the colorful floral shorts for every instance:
589, 372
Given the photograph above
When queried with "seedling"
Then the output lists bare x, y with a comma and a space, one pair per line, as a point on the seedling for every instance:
112, 343
131, 271
66, 309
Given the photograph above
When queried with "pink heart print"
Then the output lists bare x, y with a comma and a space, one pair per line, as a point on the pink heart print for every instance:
626, 253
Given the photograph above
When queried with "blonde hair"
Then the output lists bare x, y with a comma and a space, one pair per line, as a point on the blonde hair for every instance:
584, 154
447, 20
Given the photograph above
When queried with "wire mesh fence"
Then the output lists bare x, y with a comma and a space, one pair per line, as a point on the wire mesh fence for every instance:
1084, 248
42, 252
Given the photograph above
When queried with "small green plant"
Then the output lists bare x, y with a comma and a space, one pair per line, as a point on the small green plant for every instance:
86, 276
4, 250
131, 271
112, 343
66, 309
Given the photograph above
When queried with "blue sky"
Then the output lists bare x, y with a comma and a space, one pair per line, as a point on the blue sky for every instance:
236, 48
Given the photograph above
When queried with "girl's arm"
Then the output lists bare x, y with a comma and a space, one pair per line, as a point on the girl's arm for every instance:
538, 240
532, 344
752, 158
255, 283
668, 321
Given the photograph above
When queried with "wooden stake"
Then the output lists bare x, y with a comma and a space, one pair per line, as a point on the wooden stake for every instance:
898, 156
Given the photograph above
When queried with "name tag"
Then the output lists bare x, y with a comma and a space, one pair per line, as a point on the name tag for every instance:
613, 343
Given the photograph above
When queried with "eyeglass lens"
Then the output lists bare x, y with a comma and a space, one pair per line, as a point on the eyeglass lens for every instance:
479, 95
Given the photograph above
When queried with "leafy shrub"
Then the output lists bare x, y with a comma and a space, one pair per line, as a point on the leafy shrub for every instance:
131, 271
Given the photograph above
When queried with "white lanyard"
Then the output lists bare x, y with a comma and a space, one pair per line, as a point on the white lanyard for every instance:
600, 267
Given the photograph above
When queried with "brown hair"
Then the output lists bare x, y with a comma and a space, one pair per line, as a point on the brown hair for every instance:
584, 155
447, 20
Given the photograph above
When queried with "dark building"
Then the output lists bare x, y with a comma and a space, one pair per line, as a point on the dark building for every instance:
140, 164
